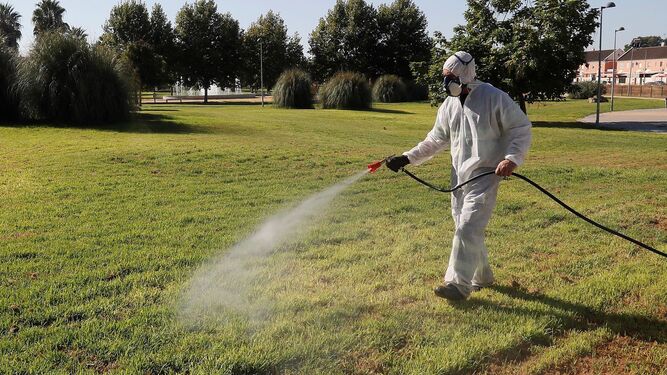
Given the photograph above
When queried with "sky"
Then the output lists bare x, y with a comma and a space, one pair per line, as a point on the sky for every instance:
638, 17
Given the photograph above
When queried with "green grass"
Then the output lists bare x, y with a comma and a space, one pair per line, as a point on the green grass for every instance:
101, 229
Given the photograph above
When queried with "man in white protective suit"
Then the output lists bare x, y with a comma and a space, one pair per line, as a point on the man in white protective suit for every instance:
485, 131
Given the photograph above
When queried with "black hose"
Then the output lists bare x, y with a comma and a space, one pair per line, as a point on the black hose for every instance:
548, 194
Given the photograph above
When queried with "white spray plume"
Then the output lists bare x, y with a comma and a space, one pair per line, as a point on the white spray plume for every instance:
223, 284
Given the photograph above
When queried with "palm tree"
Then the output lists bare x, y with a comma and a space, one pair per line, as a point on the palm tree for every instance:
78, 32
10, 27
48, 16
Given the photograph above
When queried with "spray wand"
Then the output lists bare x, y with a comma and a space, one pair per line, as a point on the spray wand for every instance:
376, 165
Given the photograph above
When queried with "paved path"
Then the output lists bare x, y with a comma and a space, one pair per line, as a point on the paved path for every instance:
648, 120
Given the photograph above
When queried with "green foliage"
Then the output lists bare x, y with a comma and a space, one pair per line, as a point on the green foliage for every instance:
9, 98
64, 79
210, 46
78, 32
147, 41
356, 36
10, 26
645, 41
48, 17
128, 22
429, 75
163, 42
390, 89
348, 38
346, 90
404, 37
293, 90
416, 91
280, 51
533, 52
585, 90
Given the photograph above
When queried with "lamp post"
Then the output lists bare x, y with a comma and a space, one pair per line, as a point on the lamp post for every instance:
635, 43
613, 74
261, 70
597, 111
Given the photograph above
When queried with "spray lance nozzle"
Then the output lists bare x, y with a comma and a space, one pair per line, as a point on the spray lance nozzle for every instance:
376, 165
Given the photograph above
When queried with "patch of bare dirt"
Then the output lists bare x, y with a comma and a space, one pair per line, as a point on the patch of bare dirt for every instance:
92, 361
660, 223
622, 355
365, 362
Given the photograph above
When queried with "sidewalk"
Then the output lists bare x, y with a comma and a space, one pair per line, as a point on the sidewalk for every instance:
648, 120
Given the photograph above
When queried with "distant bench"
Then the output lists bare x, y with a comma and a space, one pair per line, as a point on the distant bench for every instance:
201, 97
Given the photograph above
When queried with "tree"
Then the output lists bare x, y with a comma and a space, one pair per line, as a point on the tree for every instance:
429, 74
531, 50
10, 26
9, 98
162, 39
280, 51
404, 38
210, 45
147, 41
48, 16
78, 32
346, 39
645, 41
128, 23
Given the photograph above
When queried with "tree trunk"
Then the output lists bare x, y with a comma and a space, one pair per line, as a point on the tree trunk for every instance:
522, 103
205, 95
139, 101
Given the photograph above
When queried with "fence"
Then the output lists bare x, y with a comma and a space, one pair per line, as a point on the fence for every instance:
642, 91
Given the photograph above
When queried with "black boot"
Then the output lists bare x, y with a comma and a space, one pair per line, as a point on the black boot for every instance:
449, 292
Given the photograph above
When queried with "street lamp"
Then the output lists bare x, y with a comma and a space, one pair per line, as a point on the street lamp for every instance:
613, 74
261, 69
636, 43
597, 112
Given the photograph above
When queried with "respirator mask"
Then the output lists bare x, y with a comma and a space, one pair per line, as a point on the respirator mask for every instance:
453, 86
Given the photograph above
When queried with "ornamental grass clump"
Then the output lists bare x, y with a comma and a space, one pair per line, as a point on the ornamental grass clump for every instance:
585, 90
64, 79
390, 88
346, 90
9, 98
293, 90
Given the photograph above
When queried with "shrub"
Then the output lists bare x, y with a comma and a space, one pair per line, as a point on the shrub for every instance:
390, 89
585, 90
416, 92
65, 79
9, 99
293, 90
346, 90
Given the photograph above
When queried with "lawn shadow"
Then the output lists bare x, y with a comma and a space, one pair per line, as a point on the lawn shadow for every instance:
393, 111
138, 123
214, 104
636, 326
158, 123
570, 125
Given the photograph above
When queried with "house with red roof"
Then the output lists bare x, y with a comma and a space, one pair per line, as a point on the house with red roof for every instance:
589, 70
642, 65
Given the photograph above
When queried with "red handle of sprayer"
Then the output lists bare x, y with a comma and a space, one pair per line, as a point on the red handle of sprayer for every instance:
377, 164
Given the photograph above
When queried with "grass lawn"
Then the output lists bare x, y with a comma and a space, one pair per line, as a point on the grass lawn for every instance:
101, 229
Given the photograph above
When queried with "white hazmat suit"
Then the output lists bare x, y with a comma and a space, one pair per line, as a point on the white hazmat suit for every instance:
487, 129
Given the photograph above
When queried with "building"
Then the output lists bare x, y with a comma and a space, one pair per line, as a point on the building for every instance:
641, 66
589, 70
